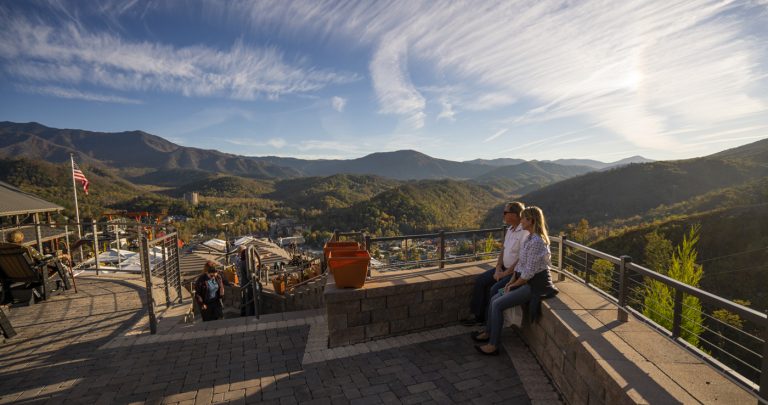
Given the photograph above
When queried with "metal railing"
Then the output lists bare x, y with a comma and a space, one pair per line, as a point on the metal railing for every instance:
737, 349
440, 241
160, 264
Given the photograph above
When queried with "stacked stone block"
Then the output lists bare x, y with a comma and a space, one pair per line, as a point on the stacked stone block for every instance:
385, 308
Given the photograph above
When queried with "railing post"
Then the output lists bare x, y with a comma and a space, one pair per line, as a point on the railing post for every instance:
764, 365
367, 248
474, 246
165, 275
677, 316
95, 246
335, 236
177, 266
145, 267
586, 268
621, 313
560, 267
442, 250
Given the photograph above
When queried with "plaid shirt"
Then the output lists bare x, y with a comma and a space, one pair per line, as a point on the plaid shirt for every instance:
534, 257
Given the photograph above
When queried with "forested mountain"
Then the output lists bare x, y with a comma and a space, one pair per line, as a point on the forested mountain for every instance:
53, 183
226, 187
133, 149
150, 159
528, 176
602, 197
400, 165
597, 165
414, 207
323, 193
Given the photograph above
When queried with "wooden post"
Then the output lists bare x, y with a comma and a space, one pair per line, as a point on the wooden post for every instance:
38, 234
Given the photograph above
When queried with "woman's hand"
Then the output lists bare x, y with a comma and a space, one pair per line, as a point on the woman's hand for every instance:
204, 307
508, 287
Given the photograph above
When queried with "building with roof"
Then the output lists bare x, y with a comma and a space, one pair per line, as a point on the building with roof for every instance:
22, 210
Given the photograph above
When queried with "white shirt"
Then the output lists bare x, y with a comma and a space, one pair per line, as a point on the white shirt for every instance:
513, 240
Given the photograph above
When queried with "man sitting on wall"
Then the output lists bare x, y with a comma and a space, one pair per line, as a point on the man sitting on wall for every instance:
489, 283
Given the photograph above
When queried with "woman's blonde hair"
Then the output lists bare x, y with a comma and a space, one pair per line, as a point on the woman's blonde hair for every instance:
535, 215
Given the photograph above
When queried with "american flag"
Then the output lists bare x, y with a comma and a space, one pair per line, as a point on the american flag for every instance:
79, 176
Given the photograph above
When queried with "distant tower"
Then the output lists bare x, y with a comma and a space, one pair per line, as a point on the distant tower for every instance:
192, 198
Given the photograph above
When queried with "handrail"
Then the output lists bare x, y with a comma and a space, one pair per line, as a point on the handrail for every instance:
625, 264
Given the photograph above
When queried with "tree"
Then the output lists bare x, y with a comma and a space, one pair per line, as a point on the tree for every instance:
602, 275
659, 301
658, 252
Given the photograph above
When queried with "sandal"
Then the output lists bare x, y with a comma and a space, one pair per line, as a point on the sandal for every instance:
493, 353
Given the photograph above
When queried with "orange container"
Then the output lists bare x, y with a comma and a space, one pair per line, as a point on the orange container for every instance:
349, 267
330, 246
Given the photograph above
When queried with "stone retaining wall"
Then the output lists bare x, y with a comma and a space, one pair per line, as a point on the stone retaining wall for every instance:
399, 302
594, 359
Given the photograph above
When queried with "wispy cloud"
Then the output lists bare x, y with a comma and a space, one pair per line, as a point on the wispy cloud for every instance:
277, 143
496, 135
75, 94
392, 83
338, 103
69, 54
636, 69
447, 111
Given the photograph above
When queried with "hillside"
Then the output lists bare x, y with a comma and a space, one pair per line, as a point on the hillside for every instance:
400, 165
528, 176
597, 165
323, 193
419, 206
53, 182
601, 197
733, 246
226, 187
134, 149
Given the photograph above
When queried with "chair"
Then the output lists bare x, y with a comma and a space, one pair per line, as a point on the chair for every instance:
25, 278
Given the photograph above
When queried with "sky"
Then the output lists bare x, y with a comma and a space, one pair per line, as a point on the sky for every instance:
456, 80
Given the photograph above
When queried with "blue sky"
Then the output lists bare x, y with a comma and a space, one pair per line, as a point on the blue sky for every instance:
456, 80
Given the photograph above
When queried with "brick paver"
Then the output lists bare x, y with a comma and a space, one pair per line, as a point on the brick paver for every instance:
82, 348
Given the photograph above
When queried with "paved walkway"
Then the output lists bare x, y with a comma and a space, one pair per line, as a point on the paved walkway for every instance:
90, 348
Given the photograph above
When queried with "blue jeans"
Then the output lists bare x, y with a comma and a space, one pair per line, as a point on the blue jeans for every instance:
485, 287
498, 304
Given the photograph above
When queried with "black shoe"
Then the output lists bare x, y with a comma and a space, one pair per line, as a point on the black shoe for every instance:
471, 321
493, 353
475, 337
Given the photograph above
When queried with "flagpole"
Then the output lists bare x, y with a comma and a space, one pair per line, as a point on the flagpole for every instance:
77, 209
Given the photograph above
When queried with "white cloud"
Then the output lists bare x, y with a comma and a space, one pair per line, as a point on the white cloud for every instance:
61, 92
338, 103
395, 92
70, 55
447, 111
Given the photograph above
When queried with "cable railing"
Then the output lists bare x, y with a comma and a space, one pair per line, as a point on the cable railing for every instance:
409, 252
729, 336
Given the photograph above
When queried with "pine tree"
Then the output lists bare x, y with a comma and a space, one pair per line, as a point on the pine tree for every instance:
659, 301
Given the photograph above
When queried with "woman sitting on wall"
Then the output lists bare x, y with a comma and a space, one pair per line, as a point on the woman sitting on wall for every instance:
209, 290
531, 281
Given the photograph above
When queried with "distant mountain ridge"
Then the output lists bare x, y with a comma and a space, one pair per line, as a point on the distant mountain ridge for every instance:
140, 150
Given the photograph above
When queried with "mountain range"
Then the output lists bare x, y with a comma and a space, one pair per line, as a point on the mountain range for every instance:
149, 158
